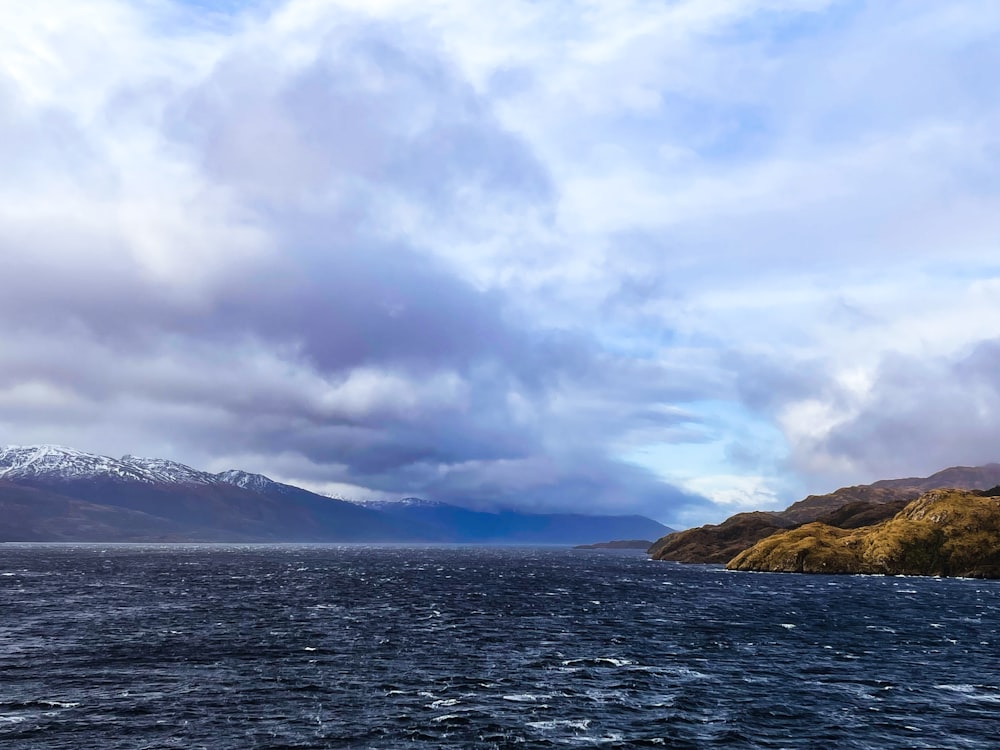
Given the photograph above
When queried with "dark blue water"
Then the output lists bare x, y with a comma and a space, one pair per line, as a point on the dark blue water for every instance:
327, 647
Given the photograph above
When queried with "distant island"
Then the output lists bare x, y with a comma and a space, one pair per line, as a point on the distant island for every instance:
946, 524
640, 544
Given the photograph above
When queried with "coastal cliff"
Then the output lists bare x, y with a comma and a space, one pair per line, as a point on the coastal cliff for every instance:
941, 533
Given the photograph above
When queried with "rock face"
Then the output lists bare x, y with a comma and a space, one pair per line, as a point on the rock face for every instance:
848, 508
942, 533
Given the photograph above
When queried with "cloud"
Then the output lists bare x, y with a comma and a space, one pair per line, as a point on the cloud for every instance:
918, 416
216, 261
568, 255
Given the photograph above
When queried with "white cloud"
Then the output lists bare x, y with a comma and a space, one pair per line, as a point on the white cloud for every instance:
447, 246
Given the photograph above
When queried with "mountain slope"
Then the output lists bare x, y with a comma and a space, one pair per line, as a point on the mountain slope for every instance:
719, 543
351, 519
942, 533
30, 514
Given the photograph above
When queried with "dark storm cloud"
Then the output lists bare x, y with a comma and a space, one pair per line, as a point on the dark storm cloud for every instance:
581, 483
257, 292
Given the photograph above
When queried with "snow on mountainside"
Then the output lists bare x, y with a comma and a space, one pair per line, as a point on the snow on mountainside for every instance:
55, 462
162, 470
246, 480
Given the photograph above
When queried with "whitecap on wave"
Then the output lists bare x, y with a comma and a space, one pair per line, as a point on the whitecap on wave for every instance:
581, 724
526, 697
979, 693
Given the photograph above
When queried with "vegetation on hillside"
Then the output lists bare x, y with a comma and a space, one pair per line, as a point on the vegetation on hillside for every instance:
942, 533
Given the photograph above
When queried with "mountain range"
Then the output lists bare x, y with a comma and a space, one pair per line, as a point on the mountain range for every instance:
53, 493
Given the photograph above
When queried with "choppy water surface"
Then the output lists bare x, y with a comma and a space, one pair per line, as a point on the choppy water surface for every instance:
330, 647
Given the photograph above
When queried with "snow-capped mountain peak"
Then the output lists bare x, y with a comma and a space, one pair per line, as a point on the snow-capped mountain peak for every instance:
55, 462
246, 480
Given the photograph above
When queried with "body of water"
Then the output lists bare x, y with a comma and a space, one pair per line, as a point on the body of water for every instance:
392, 647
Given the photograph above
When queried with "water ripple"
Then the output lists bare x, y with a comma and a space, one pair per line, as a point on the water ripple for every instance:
391, 647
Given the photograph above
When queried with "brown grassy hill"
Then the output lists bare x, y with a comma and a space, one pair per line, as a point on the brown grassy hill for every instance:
856, 515
717, 543
943, 532
721, 542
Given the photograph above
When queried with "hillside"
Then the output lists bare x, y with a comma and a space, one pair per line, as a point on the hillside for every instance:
847, 507
717, 543
942, 533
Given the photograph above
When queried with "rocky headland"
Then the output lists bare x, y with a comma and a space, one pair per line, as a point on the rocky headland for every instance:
942, 533
846, 508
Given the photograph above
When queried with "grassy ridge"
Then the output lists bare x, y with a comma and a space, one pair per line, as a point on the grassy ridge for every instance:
941, 533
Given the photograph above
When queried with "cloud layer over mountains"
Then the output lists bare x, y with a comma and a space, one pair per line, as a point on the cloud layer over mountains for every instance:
669, 258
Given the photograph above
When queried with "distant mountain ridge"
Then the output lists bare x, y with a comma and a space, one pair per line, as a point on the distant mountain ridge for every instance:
54, 493
507, 526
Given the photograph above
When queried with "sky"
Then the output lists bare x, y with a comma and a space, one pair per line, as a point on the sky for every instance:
680, 258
